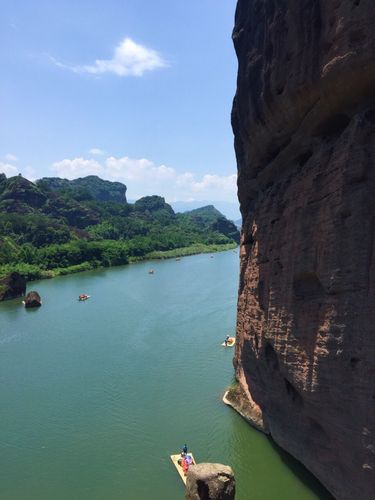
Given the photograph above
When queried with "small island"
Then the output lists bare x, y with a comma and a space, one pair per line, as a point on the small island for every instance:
32, 300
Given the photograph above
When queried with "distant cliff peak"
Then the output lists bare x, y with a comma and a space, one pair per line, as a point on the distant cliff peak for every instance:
91, 186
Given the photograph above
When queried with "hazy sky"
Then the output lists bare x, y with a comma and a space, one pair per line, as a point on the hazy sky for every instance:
138, 91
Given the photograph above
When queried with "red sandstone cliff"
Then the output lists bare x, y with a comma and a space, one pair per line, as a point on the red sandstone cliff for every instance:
304, 125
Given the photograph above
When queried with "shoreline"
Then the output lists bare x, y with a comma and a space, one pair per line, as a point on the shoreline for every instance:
155, 255
187, 251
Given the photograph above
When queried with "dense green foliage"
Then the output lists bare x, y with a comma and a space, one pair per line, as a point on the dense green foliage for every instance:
58, 226
85, 188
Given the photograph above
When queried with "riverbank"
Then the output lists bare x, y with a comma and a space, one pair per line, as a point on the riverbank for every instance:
33, 272
191, 250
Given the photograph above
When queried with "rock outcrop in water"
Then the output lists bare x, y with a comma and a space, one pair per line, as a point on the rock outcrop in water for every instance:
208, 481
12, 286
304, 125
33, 300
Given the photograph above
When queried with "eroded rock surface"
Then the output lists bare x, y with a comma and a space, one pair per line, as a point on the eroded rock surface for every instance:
33, 300
208, 481
304, 124
12, 286
239, 398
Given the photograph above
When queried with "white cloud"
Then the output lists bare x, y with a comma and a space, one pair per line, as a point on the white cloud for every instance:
141, 170
97, 152
214, 182
10, 157
78, 167
129, 59
143, 177
8, 169
30, 173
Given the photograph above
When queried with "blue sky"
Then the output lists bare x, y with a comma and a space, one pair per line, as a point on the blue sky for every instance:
133, 90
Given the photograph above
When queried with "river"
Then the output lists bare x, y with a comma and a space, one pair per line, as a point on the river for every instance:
96, 395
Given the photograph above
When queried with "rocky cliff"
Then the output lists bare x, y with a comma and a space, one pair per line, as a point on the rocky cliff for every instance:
12, 285
304, 125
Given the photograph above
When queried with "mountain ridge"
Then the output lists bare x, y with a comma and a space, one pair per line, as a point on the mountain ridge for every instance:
56, 224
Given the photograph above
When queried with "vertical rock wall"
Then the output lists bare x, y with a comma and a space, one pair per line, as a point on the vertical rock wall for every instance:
304, 125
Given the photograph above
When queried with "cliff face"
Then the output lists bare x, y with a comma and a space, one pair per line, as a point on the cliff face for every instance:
11, 286
304, 125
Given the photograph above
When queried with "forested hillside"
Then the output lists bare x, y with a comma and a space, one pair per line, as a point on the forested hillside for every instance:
55, 226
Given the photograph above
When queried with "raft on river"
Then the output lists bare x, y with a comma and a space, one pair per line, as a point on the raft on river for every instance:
83, 296
230, 342
180, 470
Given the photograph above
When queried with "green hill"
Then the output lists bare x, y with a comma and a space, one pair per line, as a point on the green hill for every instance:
56, 226
86, 188
211, 219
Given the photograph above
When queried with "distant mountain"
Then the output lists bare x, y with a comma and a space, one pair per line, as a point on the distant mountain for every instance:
230, 210
86, 188
210, 219
60, 224
21, 196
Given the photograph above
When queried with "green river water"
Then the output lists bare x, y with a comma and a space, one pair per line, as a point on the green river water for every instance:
96, 395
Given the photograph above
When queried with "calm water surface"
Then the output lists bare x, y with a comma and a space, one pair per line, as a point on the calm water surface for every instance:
96, 395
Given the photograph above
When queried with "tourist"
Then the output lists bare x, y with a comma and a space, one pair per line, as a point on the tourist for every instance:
185, 466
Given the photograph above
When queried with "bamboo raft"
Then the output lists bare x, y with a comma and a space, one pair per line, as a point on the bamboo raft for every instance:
230, 343
175, 459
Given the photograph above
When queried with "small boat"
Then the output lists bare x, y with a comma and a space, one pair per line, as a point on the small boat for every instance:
230, 343
83, 296
176, 458
151, 271
178, 258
